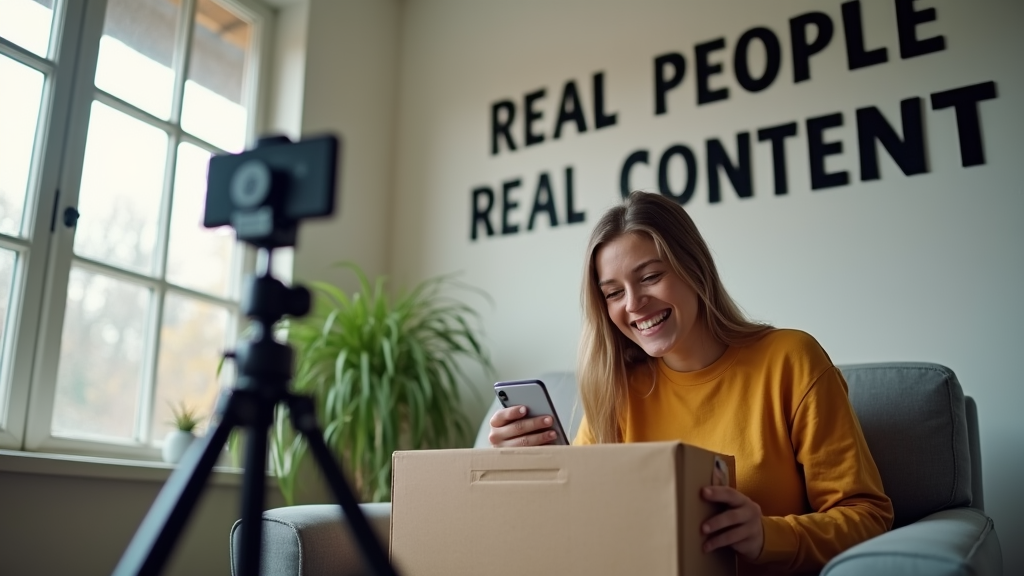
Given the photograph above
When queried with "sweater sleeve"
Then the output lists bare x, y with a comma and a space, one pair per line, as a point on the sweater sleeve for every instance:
843, 486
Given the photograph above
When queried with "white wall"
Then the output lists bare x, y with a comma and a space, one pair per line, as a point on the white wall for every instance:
927, 267
77, 518
349, 88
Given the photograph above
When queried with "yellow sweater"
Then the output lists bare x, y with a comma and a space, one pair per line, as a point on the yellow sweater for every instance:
782, 409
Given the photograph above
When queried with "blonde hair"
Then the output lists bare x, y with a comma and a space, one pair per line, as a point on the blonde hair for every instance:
606, 356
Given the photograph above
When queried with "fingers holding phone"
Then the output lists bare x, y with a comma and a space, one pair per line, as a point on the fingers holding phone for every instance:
528, 417
511, 427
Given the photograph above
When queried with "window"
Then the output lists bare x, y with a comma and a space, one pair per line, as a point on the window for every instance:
114, 301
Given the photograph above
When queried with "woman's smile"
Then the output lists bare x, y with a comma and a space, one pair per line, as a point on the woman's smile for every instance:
648, 326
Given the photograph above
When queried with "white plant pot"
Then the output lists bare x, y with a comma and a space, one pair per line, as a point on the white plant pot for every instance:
175, 445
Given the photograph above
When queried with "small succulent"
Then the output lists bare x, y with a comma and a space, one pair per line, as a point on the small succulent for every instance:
185, 417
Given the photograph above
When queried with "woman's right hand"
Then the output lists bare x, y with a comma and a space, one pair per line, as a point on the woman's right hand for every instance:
510, 427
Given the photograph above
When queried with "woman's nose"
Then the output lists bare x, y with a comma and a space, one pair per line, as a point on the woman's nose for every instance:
634, 301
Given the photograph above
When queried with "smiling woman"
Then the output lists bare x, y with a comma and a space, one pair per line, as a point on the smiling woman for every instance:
666, 355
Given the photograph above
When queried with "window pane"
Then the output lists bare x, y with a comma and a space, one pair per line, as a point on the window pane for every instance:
192, 340
214, 108
137, 52
19, 113
8, 259
27, 24
122, 181
102, 353
197, 257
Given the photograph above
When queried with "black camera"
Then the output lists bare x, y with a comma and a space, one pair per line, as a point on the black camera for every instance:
264, 192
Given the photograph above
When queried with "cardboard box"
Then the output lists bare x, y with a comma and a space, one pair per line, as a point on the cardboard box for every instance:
613, 509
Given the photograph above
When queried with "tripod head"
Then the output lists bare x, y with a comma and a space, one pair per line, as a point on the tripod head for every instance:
264, 363
267, 299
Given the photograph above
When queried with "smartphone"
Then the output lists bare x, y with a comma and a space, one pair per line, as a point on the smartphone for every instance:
534, 395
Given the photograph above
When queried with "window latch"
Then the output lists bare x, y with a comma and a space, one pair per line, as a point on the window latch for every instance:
70, 216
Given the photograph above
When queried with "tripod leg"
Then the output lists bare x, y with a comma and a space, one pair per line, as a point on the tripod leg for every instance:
304, 420
155, 538
253, 486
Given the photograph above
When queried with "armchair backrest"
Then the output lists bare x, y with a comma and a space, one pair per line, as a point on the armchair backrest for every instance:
920, 427
914, 417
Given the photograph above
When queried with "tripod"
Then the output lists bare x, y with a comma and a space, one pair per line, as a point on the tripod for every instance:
264, 369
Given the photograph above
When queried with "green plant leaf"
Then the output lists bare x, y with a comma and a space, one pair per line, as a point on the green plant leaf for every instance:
385, 373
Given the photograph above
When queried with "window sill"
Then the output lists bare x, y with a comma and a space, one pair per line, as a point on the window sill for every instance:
20, 462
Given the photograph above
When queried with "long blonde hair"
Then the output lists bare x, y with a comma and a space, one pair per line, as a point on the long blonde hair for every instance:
606, 356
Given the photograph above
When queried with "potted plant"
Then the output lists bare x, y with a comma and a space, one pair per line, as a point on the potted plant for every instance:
185, 419
385, 374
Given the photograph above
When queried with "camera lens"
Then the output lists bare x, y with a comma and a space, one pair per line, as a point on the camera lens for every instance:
503, 396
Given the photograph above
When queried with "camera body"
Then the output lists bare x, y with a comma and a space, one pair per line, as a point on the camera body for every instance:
264, 192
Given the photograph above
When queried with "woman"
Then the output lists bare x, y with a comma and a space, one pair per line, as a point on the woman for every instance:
667, 355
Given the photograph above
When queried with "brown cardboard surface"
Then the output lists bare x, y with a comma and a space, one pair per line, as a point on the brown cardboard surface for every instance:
610, 509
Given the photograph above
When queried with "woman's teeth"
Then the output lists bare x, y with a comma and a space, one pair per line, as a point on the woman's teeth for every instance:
652, 322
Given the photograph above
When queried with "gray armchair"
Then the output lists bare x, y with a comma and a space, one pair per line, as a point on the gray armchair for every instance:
923, 434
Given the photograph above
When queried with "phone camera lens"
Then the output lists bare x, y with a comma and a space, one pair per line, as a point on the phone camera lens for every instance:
503, 396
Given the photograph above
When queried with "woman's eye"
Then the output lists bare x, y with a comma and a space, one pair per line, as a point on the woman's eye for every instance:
612, 294
651, 277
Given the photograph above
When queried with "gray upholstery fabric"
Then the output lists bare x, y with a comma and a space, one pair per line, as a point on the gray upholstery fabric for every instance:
313, 540
562, 389
955, 542
915, 423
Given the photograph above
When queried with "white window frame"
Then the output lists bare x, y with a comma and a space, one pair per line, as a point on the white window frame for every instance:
40, 284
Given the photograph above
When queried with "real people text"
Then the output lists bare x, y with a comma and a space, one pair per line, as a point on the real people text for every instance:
516, 125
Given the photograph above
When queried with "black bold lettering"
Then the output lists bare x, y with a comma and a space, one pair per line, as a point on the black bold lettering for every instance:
853, 27
908, 152
907, 20
739, 173
818, 149
778, 135
638, 157
691, 173
662, 82
773, 53
532, 116
571, 215
965, 101
570, 111
704, 71
802, 48
545, 205
601, 118
507, 204
502, 126
481, 213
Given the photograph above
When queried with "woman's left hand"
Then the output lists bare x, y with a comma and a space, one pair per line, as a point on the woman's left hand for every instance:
739, 526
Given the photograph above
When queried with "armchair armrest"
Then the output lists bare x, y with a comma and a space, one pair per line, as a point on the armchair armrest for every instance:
958, 541
313, 540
